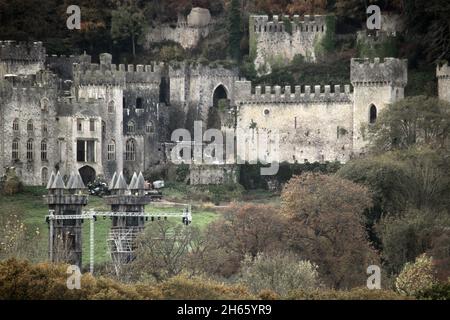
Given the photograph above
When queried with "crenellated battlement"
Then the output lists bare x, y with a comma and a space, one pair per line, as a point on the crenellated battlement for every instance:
80, 100
296, 94
196, 69
443, 71
307, 23
22, 51
87, 73
390, 71
42, 79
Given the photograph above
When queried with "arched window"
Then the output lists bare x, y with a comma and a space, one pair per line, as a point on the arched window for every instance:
112, 150
131, 128
139, 103
44, 176
44, 150
44, 127
130, 150
15, 149
30, 126
30, 149
44, 105
16, 125
149, 127
111, 106
373, 114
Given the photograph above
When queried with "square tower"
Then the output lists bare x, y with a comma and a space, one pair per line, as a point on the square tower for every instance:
376, 84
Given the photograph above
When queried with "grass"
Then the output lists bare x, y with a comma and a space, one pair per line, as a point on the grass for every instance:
32, 209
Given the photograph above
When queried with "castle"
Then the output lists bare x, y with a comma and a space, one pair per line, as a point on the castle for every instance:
61, 113
278, 40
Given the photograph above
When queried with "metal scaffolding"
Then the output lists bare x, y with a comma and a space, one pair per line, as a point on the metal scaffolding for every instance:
120, 240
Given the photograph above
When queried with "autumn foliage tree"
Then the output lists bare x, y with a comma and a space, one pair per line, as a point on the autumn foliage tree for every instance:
326, 226
246, 229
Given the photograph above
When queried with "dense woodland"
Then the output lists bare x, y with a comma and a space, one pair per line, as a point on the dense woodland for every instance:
390, 208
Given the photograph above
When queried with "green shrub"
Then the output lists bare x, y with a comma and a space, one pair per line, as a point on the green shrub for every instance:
354, 294
199, 288
182, 172
280, 273
440, 291
21, 280
416, 277
12, 184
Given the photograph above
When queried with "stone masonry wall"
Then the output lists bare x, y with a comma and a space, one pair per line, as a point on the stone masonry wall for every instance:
278, 41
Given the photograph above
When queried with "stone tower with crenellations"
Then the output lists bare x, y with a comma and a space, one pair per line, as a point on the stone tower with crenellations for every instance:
319, 123
276, 41
376, 84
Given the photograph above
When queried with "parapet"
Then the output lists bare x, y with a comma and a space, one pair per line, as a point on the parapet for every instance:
307, 23
285, 94
197, 69
107, 73
62, 65
42, 79
443, 72
390, 71
22, 51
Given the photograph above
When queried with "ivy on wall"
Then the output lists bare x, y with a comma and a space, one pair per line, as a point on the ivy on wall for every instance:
327, 44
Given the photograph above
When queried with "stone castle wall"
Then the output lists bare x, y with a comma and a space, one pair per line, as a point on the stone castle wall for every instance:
187, 32
194, 85
313, 125
21, 58
278, 41
30, 102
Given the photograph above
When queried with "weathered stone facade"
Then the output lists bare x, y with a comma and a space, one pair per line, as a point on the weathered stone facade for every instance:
67, 114
317, 124
195, 86
92, 118
187, 31
278, 41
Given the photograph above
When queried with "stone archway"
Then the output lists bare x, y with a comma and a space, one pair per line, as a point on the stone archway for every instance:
87, 174
220, 93
220, 103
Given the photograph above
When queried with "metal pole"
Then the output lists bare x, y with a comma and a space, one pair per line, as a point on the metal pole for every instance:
50, 245
91, 246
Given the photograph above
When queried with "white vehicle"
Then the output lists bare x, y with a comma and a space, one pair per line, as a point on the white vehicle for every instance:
159, 184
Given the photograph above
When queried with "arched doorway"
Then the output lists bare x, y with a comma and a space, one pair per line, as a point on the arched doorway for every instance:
87, 174
220, 104
220, 93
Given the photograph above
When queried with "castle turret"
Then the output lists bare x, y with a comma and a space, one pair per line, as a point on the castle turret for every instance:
21, 58
129, 199
443, 75
65, 236
277, 40
376, 84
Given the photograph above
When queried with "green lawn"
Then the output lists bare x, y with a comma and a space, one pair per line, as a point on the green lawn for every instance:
31, 208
